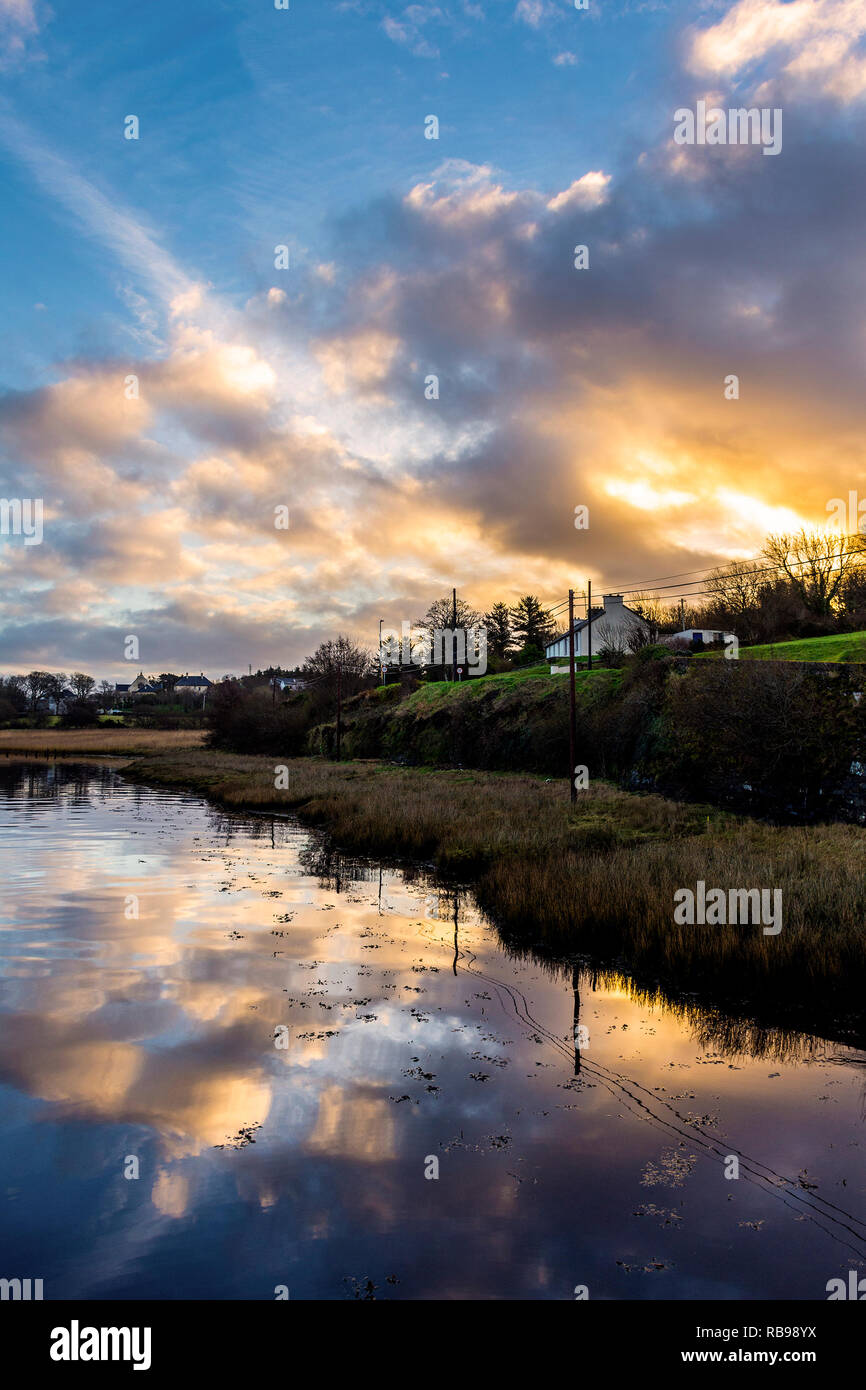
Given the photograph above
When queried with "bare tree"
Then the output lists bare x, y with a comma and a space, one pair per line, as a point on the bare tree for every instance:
610, 640
82, 684
639, 635
652, 610
439, 616
37, 685
815, 564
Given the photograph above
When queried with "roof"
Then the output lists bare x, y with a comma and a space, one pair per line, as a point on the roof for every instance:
193, 680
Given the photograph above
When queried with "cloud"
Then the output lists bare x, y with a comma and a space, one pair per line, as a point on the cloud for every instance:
557, 387
18, 25
408, 30
817, 43
535, 12
589, 191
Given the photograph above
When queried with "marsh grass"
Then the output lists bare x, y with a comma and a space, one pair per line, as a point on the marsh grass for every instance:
52, 742
596, 878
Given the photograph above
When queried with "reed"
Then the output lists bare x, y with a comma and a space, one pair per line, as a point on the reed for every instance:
596, 878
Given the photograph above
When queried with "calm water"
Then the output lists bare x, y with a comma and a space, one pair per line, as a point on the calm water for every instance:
412, 1036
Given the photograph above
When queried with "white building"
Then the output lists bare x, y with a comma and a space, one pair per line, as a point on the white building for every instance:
700, 636
193, 685
614, 625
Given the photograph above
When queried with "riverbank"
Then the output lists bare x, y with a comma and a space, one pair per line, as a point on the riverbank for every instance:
597, 878
113, 740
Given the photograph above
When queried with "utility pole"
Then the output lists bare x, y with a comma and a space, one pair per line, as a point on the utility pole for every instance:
572, 716
339, 708
589, 624
454, 630
381, 667
682, 616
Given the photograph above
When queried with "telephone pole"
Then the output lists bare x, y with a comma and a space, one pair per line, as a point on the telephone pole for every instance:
339, 708
454, 630
572, 716
589, 624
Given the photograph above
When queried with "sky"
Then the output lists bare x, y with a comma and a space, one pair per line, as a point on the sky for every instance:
170, 392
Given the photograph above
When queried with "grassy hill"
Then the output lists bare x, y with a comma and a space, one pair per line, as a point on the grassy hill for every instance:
518, 720
845, 646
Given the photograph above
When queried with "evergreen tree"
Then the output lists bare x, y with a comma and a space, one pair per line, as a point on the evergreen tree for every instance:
532, 625
500, 638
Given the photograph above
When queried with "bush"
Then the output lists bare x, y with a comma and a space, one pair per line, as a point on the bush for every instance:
79, 715
245, 720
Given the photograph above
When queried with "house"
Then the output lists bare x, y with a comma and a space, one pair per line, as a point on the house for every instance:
614, 625
140, 686
700, 636
292, 684
192, 685
64, 700
55, 704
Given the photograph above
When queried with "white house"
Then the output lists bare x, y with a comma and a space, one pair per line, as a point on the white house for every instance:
700, 636
193, 685
612, 625
140, 686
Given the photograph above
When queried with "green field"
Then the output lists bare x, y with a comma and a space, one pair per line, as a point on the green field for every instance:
845, 646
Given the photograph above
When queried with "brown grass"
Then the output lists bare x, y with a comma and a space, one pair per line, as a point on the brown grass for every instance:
598, 877
52, 743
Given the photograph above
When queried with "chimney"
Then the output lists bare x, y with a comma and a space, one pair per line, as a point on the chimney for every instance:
612, 602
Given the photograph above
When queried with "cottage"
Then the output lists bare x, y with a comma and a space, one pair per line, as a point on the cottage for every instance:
614, 626
700, 636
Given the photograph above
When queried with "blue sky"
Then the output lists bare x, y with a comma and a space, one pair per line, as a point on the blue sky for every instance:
258, 387
261, 126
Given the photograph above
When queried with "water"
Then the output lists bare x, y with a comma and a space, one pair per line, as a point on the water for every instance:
413, 1036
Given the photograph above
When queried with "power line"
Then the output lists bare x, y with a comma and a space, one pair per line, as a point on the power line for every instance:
720, 570
686, 591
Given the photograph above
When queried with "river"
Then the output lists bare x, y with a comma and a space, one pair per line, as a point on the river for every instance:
234, 1062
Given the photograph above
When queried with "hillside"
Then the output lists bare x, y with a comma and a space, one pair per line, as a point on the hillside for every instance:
845, 647
518, 720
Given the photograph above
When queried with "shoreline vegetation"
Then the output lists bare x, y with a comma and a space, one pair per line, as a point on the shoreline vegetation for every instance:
595, 880
102, 741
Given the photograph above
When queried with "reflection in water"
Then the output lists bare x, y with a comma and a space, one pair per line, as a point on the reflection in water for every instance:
153, 952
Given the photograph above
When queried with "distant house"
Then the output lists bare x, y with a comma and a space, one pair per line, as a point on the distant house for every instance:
140, 686
292, 684
193, 685
700, 636
614, 625
51, 704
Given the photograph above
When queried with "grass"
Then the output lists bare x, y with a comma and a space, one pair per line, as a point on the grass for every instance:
843, 646
53, 742
505, 680
596, 878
